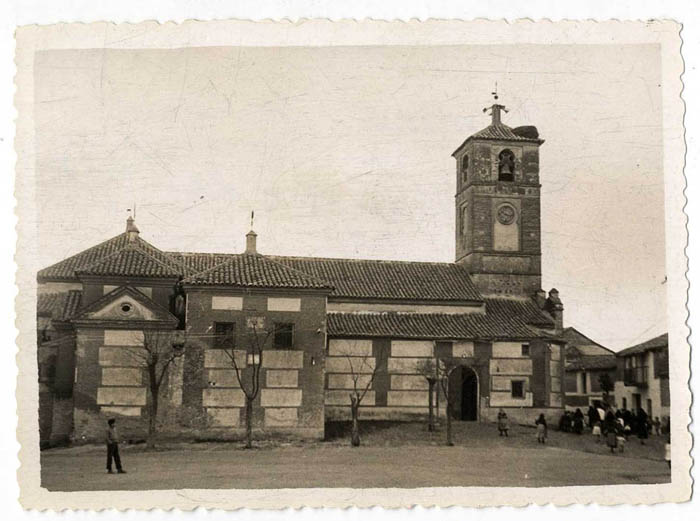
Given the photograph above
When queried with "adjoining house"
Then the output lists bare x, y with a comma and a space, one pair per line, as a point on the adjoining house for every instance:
330, 321
642, 377
589, 367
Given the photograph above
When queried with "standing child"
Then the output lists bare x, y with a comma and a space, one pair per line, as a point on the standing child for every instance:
667, 455
112, 438
502, 423
657, 426
541, 429
596, 431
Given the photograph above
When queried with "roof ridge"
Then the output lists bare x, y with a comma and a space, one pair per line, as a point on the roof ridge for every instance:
309, 257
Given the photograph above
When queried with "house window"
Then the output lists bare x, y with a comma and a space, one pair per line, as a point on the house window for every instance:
517, 388
584, 387
224, 333
284, 335
624, 403
465, 168
525, 349
506, 165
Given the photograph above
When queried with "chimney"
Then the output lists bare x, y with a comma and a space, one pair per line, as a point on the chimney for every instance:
250, 243
540, 298
555, 308
132, 231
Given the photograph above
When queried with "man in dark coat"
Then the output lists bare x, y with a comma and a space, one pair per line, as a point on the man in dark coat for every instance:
112, 438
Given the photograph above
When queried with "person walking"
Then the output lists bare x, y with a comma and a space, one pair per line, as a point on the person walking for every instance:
112, 439
502, 423
541, 429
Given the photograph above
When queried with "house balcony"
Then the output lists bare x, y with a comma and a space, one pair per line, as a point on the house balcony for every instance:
637, 376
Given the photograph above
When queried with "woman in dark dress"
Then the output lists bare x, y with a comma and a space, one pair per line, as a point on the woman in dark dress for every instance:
610, 430
578, 421
642, 426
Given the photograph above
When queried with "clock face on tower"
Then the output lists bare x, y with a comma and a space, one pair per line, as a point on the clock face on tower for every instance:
506, 214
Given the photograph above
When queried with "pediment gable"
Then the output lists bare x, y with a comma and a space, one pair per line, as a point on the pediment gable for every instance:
125, 304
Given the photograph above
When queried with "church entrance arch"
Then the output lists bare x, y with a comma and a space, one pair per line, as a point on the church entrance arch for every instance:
464, 394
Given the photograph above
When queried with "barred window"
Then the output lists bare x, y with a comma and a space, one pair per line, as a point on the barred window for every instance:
284, 335
224, 335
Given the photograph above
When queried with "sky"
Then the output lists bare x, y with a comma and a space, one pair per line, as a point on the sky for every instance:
346, 152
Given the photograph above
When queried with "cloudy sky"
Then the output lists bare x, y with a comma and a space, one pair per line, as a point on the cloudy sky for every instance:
345, 152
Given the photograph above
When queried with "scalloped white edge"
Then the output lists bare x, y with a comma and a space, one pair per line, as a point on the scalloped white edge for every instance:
321, 32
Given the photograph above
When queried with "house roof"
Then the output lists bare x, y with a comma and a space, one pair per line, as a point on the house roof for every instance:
522, 308
67, 269
366, 279
425, 325
591, 362
658, 342
132, 261
579, 344
503, 319
390, 280
499, 132
256, 271
59, 306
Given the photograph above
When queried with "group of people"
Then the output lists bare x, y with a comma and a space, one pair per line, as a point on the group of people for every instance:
614, 426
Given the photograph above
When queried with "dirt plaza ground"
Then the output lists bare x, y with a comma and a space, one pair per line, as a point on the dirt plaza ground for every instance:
404, 456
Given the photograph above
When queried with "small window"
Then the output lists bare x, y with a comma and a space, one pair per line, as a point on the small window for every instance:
506, 165
517, 389
224, 333
584, 383
525, 349
284, 335
624, 403
465, 169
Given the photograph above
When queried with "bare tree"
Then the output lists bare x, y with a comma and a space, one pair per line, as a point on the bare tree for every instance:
362, 373
428, 369
160, 349
250, 385
445, 368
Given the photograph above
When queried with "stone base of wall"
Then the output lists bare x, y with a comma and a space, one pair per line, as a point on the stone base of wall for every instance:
378, 413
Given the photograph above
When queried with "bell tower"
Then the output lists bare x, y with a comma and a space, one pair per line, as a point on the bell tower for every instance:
497, 207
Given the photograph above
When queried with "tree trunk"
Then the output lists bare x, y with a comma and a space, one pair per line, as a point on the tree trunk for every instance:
354, 408
448, 418
153, 410
248, 423
431, 416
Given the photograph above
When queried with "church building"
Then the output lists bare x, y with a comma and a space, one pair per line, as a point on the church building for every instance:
329, 324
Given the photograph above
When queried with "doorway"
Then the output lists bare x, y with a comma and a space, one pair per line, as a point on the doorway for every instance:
464, 391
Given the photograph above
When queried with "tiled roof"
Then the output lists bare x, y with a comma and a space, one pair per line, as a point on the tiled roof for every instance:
198, 262
247, 270
132, 261
59, 306
427, 325
522, 308
658, 342
499, 133
391, 280
66, 269
591, 362
579, 344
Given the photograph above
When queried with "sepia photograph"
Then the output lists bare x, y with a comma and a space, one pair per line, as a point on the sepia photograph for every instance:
352, 266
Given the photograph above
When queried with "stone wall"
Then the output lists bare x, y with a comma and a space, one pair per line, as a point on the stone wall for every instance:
290, 400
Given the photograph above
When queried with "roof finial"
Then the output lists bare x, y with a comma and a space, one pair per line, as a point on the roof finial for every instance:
252, 218
131, 230
496, 108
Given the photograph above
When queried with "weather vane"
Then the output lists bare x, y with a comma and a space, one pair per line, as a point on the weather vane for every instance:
252, 218
495, 92
496, 108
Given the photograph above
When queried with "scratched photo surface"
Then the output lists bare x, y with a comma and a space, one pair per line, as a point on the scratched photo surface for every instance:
351, 267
